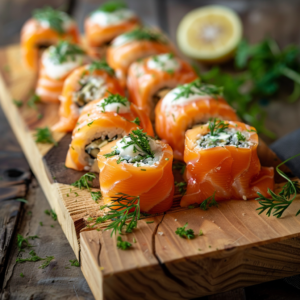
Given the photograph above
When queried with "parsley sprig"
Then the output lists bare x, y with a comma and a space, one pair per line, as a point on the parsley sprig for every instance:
124, 211
279, 203
216, 126
101, 65
112, 6
209, 202
198, 88
64, 51
185, 233
55, 18
85, 181
113, 98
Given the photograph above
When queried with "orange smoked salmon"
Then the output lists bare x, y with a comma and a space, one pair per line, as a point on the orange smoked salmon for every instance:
85, 84
57, 63
144, 171
187, 106
106, 23
101, 122
150, 77
133, 45
46, 28
222, 160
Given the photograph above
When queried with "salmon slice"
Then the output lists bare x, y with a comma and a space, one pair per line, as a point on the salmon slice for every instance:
34, 35
52, 74
173, 120
95, 125
154, 183
79, 79
131, 46
230, 171
147, 77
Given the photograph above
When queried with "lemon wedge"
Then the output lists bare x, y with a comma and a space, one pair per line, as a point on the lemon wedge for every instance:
209, 34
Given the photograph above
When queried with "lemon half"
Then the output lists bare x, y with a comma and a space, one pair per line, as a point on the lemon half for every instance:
209, 34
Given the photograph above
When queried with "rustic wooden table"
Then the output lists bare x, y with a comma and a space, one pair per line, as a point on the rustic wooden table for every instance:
60, 280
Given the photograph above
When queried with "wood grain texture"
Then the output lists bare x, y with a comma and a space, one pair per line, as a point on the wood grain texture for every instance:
234, 252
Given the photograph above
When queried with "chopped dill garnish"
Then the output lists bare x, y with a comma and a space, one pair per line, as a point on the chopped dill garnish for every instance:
124, 211
96, 195
22, 275
18, 103
240, 136
64, 50
112, 6
136, 121
150, 222
41, 224
209, 202
216, 126
54, 18
76, 194
33, 258
200, 232
179, 166
44, 135
113, 153
198, 88
113, 98
85, 181
181, 187
47, 262
23, 242
89, 124
33, 100
40, 116
123, 245
101, 65
185, 233
279, 203
51, 213
74, 263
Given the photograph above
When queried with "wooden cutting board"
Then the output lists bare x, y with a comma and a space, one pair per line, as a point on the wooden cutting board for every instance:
238, 247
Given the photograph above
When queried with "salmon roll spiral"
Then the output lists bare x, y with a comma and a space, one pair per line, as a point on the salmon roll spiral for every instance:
221, 161
84, 85
151, 78
106, 23
187, 106
101, 122
57, 64
138, 165
47, 27
133, 45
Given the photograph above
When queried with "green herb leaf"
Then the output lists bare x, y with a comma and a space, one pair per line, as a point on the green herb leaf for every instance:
113, 98
179, 166
44, 135
33, 100
21, 275
112, 6
74, 263
136, 121
96, 195
123, 245
23, 242
101, 65
85, 181
185, 233
51, 213
18, 103
181, 187
47, 262
209, 202
217, 126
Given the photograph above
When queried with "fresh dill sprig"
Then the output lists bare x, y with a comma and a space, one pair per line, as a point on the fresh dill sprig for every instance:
136, 121
144, 33
51, 213
74, 263
112, 6
54, 18
22, 275
23, 242
44, 135
181, 187
33, 100
101, 65
113, 98
124, 211
240, 136
96, 195
209, 202
179, 166
185, 233
18, 103
48, 259
140, 139
63, 51
85, 181
216, 126
198, 88
123, 245
33, 258
279, 203
113, 153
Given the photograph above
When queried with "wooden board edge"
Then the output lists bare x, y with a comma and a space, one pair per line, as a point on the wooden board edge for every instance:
35, 159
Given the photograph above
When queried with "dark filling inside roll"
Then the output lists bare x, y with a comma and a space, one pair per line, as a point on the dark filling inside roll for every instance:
43, 46
160, 94
94, 147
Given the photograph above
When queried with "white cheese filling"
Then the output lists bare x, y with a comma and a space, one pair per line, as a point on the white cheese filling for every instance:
163, 62
115, 107
57, 71
106, 19
66, 25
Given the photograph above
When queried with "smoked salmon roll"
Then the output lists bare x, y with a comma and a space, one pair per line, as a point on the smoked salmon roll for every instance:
221, 161
47, 27
106, 23
84, 85
103, 121
187, 106
133, 45
140, 166
56, 65
151, 78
